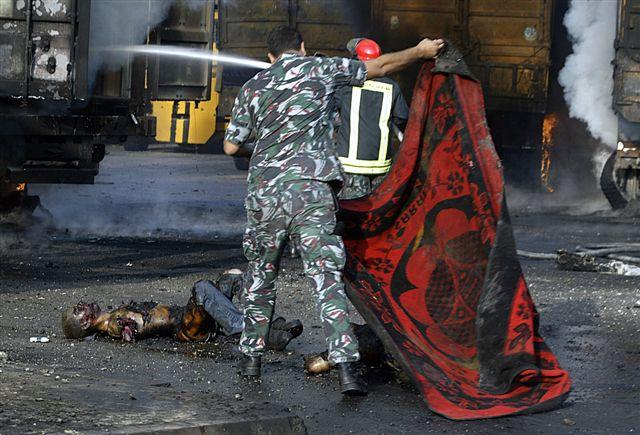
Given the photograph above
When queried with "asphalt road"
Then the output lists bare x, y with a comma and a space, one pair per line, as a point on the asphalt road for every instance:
156, 222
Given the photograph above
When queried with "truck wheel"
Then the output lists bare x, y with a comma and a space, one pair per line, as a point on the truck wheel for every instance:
609, 185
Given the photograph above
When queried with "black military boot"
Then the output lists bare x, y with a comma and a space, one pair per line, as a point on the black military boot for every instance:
249, 366
351, 381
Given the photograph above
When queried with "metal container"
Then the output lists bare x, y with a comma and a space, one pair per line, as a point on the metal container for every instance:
66, 89
506, 43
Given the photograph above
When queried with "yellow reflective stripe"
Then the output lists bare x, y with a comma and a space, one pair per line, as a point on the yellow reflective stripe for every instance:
365, 167
385, 115
374, 86
365, 163
354, 136
366, 170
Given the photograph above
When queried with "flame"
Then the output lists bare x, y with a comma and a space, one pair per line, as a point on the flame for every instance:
548, 126
21, 187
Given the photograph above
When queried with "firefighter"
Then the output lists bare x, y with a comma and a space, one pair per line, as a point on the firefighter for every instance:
293, 172
368, 117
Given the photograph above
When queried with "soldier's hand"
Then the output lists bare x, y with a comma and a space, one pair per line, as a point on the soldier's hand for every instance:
429, 48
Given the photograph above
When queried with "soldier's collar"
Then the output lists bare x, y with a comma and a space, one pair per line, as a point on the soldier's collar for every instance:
289, 55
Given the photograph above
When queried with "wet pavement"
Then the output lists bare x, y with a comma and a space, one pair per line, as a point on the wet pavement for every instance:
168, 219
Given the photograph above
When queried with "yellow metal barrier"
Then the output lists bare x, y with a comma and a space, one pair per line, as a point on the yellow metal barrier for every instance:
186, 122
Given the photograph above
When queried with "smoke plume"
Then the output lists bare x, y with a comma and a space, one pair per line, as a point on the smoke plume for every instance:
122, 23
154, 195
587, 77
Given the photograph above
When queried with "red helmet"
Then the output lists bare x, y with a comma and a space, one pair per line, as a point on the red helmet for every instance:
365, 49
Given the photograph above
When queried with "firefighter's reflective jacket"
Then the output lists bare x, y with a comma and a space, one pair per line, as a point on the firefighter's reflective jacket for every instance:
364, 135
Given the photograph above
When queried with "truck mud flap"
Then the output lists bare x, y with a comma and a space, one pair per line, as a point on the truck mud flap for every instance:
610, 187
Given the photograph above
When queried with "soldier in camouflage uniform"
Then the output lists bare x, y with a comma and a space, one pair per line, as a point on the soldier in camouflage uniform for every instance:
293, 171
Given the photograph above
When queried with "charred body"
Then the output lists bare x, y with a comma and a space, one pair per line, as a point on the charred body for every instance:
208, 313
129, 322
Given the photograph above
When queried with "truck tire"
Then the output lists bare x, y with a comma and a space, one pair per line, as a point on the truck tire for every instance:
610, 187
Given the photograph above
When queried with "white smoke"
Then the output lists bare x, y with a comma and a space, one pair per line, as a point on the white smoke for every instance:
121, 23
118, 23
587, 77
151, 195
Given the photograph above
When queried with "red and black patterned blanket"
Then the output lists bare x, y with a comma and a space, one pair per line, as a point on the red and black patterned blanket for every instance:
433, 266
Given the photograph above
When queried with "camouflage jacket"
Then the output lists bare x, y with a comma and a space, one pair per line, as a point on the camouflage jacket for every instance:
289, 108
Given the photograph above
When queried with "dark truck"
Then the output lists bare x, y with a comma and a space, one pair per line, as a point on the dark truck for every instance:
63, 94
505, 42
620, 180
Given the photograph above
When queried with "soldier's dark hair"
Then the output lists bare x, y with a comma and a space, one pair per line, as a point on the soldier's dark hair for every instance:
282, 39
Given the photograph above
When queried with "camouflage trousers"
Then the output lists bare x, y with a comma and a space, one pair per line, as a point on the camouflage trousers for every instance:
357, 186
305, 212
